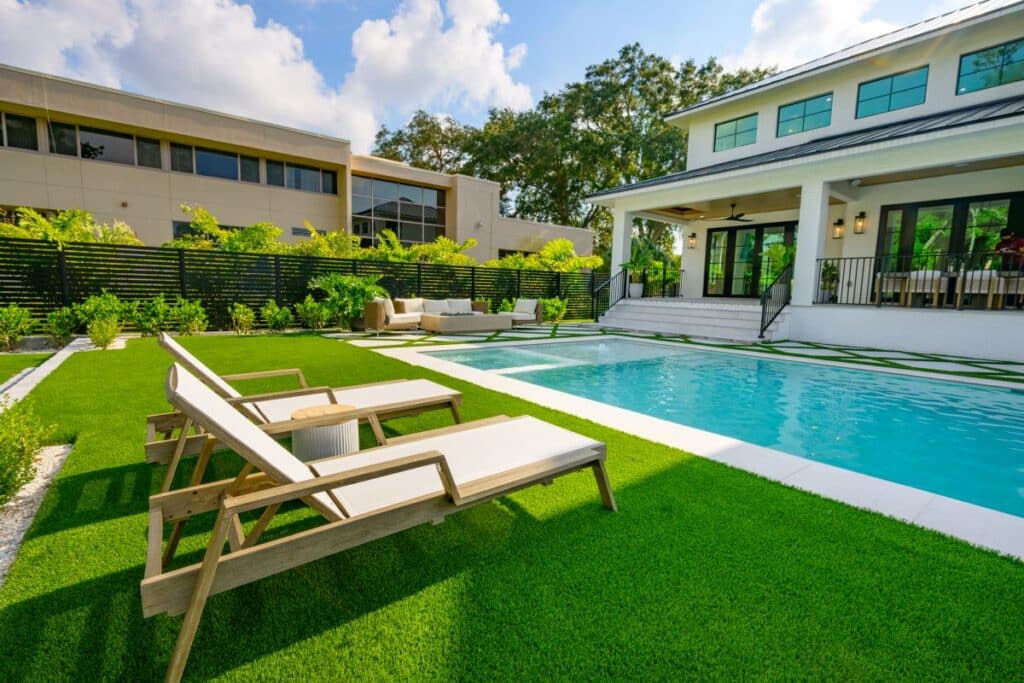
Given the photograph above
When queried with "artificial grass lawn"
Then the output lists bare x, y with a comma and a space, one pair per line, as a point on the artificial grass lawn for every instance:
13, 363
705, 572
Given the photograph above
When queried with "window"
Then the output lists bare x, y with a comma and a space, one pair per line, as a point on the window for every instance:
894, 92
181, 158
148, 153
250, 167
414, 213
815, 112
216, 164
105, 145
21, 132
63, 139
275, 173
736, 133
303, 178
329, 182
990, 67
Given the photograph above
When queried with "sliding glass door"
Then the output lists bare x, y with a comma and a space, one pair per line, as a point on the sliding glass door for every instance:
742, 261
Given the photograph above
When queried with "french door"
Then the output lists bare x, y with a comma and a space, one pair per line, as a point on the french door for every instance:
743, 261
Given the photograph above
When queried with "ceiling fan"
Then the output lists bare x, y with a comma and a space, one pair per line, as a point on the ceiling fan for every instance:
733, 216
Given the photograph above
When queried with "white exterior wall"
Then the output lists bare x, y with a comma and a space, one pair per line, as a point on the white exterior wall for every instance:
975, 334
941, 55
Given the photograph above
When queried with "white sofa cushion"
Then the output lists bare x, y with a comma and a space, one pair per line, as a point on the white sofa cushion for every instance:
460, 306
412, 305
518, 316
403, 318
526, 306
436, 306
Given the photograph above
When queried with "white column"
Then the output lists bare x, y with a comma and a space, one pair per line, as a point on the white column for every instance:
622, 239
810, 240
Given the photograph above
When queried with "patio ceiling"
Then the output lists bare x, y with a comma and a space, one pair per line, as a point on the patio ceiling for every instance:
760, 202
934, 172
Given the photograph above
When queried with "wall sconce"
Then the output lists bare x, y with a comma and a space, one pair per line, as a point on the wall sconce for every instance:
691, 241
838, 229
479, 224
858, 223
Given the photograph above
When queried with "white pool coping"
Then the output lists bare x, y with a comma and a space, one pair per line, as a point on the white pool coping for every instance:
981, 526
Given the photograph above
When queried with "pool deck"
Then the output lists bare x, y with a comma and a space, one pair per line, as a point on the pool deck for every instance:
984, 527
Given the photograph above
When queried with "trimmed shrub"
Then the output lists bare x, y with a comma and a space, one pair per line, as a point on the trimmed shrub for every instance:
21, 436
153, 316
105, 305
189, 316
554, 309
275, 317
15, 323
312, 313
347, 295
103, 331
243, 318
506, 306
60, 325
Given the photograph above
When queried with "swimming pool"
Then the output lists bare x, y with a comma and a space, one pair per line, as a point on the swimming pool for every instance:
954, 439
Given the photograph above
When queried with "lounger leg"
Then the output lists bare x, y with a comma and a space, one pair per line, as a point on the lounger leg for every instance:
200, 592
454, 407
604, 486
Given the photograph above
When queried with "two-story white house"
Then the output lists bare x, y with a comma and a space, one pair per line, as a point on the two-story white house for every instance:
867, 189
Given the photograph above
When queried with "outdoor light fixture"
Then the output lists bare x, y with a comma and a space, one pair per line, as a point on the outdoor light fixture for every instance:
838, 229
691, 241
858, 223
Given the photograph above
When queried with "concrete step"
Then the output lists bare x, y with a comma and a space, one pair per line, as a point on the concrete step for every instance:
666, 313
713, 321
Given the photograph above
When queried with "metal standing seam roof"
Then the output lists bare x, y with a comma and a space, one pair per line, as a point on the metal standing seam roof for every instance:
988, 111
890, 39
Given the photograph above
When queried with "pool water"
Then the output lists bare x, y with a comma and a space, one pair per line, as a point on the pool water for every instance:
955, 439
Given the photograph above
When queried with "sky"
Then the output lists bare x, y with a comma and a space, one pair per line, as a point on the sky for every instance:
346, 67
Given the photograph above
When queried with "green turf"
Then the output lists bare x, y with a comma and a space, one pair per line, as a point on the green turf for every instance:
705, 572
13, 363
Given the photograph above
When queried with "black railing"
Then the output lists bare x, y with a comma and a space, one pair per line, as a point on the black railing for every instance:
608, 292
660, 282
775, 297
981, 279
41, 277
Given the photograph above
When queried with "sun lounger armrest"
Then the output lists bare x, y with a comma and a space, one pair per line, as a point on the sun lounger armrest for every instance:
274, 395
287, 492
284, 372
285, 426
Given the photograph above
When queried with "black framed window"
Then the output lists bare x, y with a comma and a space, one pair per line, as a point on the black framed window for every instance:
63, 139
147, 152
181, 158
736, 133
250, 169
216, 164
997, 65
814, 112
105, 145
413, 212
896, 91
21, 132
275, 173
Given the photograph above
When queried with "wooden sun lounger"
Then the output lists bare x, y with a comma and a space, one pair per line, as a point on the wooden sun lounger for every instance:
362, 497
371, 403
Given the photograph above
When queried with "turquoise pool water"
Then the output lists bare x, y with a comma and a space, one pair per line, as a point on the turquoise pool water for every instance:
959, 440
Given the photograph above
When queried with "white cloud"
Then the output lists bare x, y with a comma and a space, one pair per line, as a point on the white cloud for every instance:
790, 32
215, 54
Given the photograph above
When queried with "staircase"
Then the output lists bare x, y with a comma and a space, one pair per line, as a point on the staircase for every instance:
733, 320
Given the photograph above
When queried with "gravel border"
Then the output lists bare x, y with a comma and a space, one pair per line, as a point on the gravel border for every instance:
17, 515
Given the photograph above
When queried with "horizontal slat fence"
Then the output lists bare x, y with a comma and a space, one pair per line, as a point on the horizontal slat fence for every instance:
41, 277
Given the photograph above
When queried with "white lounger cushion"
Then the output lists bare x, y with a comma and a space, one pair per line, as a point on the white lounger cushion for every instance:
196, 367
379, 396
186, 393
472, 454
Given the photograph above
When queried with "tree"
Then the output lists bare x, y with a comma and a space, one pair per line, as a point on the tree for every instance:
557, 255
206, 233
69, 225
437, 143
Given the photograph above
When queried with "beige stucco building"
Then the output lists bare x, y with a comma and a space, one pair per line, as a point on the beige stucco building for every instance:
67, 144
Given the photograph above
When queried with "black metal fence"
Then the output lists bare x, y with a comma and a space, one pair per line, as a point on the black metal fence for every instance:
41, 277
983, 280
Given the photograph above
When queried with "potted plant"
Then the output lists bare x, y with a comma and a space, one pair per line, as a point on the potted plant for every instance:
347, 295
828, 281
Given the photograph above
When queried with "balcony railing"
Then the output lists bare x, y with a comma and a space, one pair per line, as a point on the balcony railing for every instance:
980, 280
